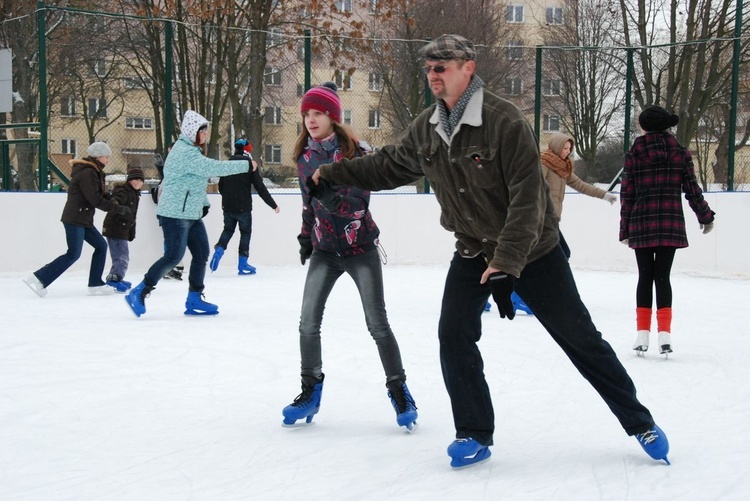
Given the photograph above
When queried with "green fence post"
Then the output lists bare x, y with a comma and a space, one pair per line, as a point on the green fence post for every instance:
308, 60
168, 75
427, 103
5, 151
43, 122
736, 54
538, 93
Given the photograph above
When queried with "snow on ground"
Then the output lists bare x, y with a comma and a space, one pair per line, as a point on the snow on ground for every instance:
96, 404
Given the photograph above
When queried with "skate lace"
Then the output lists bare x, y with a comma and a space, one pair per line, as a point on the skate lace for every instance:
402, 400
303, 397
648, 437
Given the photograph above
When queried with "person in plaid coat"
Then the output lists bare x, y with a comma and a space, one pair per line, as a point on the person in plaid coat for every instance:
658, 169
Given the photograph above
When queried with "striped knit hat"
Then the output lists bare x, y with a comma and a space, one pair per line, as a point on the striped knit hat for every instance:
323, 99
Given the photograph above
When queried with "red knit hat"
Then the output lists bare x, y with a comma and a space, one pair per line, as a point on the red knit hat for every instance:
323, 99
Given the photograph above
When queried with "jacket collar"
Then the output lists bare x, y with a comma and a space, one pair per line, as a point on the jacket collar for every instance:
472, 116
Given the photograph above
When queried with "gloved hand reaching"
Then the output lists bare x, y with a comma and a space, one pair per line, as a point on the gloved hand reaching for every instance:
707, 227
305, 248
328, 197
502, 286
205, 211
625, 242
610, 197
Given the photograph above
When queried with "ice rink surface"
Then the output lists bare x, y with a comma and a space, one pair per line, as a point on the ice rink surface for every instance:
96, 404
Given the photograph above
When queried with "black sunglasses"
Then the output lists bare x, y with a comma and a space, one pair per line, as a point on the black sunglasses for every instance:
437, 69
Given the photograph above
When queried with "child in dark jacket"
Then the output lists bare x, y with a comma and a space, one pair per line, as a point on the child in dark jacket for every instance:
338, 236
120, 229
237, 204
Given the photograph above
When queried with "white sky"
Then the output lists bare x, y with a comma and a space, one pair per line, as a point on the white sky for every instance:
98, 405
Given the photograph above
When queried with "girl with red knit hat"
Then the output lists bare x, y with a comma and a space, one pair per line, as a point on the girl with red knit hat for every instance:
338, 236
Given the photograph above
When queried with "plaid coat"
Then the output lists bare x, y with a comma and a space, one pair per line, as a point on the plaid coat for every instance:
657, 170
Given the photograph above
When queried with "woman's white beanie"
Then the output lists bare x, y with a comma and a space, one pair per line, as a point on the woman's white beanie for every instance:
191, 122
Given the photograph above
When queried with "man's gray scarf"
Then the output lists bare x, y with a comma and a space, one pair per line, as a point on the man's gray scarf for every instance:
449, 120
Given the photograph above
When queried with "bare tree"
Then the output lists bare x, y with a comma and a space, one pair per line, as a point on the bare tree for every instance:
401, 31
692, 70
582, 80
84, 68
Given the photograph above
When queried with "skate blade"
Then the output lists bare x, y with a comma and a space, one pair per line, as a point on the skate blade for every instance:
478, 458
40, 293
297, 424
411, 427
641, 351
194, 313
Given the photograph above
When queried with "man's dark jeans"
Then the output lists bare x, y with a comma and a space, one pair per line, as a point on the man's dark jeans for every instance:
75, 235
548, 288
231, 219
181, 234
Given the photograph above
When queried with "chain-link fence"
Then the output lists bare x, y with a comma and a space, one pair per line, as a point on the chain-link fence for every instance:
127, 80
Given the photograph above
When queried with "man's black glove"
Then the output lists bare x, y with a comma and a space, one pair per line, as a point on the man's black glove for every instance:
205, 211
305, 248
324, 192
121, 210
502, 285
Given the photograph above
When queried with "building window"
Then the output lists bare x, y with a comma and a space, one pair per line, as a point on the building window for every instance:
551, 123
272, 76
99, 67
514, 50
344, 5
551, 87
373, 120
67, 107
376, 82
372, 6
273, 154
513, 86
137, 83
272, 115
346, 117
97, 108
343, 80
139, 123
554, 15
274, 37
514, 14
69, 146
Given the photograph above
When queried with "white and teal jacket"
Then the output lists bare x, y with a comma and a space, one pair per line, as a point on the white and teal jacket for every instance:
186, 173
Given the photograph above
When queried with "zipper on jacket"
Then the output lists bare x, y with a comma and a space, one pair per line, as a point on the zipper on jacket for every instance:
184, 202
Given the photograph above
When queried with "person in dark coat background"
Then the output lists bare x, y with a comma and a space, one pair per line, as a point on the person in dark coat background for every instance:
120, 229
657, 170
85, 195
237, 204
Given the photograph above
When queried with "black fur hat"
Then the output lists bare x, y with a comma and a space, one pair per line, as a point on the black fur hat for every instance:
656, 118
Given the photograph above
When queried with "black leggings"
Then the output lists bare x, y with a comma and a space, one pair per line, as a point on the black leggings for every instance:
654, 267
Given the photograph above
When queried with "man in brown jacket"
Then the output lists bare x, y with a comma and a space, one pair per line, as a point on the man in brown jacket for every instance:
482, 159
